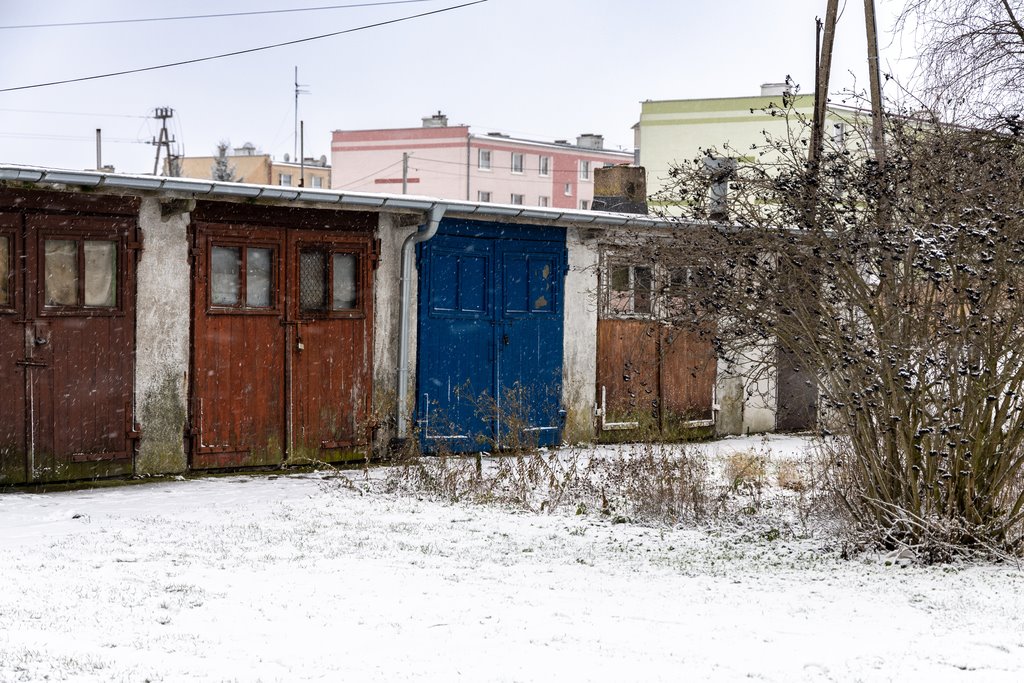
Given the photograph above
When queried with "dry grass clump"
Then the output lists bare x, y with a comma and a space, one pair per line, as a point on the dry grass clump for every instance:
788, 476
745, 470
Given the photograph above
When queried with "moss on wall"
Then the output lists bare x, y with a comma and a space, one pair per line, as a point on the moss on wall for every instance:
162, 415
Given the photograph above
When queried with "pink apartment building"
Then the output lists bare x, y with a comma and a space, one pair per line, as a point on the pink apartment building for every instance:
452, 163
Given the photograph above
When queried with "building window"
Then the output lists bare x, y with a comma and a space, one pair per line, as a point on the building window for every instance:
242, 277
584, 169
517, 199
584, 204
284, 179
517, 162
317, 181
483, 159
544, 166
80, 273
629, 289
482, 196
568, 189
543, 201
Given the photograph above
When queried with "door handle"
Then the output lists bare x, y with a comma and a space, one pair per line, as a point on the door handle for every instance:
41, 341
504, 339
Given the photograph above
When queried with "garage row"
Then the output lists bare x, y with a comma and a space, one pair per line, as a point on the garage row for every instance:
160, 325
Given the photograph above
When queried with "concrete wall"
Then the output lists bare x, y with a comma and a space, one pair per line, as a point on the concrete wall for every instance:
746, 392
579, 369
162, 338
386, 325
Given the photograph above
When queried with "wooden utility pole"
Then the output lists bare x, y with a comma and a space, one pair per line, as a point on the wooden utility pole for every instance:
875, 81
822, 72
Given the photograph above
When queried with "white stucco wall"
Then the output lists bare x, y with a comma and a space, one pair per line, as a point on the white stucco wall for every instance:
162, 339
746, 392
387, 311
579, 369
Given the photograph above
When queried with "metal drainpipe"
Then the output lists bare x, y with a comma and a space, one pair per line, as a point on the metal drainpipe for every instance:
408, 251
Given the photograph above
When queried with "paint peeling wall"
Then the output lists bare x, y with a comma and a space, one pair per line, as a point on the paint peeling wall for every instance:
387, 311
579, 370
746, 393
162, 340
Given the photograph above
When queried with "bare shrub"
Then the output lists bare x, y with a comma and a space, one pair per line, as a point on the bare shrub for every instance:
788, 476
745, 470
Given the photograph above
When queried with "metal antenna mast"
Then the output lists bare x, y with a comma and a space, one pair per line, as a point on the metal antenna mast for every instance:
164, 113
299, 90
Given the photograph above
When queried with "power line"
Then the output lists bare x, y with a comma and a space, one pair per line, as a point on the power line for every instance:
243, 52
107, 22
74, 113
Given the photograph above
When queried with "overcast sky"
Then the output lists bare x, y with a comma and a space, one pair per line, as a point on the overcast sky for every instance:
541, 69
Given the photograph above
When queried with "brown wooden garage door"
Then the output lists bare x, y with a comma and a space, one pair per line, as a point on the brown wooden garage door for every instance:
654, 379
67, 347
282, 344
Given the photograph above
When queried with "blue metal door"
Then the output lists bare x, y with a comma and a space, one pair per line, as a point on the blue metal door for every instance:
489, 359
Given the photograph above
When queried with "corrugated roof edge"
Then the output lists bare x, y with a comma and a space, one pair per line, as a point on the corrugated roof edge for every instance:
35, 175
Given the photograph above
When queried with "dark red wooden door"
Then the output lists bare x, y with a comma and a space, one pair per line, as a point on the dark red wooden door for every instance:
79, 333
331, 359
238, 404
13, 455
282, 345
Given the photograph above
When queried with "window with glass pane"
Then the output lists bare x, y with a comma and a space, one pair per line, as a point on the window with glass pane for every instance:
643, 290
60, 272
225, 276
259, 278
100, 274
344, 281
312, 280
5, 270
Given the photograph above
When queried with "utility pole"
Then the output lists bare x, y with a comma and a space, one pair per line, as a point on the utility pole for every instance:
822, 73
299, 90
302, 153
405, 172
875, 82
99, 149
163, 113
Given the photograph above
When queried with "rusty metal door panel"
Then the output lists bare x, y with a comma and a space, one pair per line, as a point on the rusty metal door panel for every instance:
238, 349
80, 347
688, 371
13, 456
627, 372
797, 395
330, 361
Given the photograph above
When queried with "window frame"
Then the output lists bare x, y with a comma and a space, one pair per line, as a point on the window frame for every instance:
543, 201
12, 283
584, 169
544, 166
517, 156
567, 190
607, 311
481, 154
280, 179
483, 196
517, 199
275, 277
80, 237
329, 249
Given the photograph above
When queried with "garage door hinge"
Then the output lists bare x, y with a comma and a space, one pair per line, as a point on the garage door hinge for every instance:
375, 254
135, 245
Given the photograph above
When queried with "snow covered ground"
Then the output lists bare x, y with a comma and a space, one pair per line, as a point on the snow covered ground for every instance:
298, 578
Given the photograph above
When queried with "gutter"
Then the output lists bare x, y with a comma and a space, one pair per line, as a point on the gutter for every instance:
216, 189
405, 304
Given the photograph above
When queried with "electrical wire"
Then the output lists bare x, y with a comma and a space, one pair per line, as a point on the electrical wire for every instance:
107, 22
242, 52
74, 113
368, 175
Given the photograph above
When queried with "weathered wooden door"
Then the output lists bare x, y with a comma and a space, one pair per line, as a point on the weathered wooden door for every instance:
238, 346
331, 354
68, 346
654, 379
282, 344
13, 454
